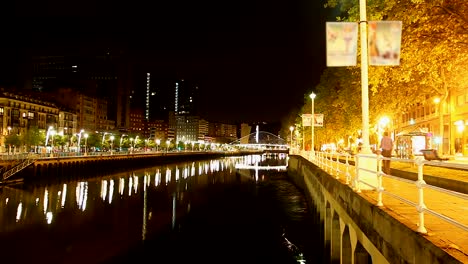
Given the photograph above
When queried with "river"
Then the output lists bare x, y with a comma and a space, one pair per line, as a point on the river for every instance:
229, 210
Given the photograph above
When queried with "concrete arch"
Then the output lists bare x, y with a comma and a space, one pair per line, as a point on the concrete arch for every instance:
335, 238
327, 232
346, 247
361, 256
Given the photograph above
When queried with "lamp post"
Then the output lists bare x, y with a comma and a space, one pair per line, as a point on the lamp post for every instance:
112, 143
86, 144
441, 125
47, 134
364, 79
79, 141
312, 96
158, 141
131, 145
135, 143
167, 145
103, 137
52, 134
291, 128
121, 139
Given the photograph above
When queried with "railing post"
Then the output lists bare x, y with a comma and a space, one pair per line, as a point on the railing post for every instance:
420, 185
347, 168
337, 165
357, 185
379, 180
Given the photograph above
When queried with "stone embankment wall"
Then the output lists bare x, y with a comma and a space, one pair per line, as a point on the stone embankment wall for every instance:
396, 242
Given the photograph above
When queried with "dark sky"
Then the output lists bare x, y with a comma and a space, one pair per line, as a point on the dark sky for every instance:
254, 59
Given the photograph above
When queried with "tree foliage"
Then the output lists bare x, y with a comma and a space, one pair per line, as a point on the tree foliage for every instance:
433, 62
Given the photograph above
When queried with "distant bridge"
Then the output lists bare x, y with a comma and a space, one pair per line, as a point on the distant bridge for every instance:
261, 140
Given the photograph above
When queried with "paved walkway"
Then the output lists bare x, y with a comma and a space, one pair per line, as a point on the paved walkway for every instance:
449, 237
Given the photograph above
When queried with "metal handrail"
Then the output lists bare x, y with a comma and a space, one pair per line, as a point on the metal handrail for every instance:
18, 167
326, 161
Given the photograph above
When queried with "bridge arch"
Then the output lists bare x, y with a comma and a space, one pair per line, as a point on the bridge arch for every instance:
261, 140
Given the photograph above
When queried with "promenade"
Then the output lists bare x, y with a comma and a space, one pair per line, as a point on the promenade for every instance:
448, 236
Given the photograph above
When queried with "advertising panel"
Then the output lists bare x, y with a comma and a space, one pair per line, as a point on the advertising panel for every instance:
341, 43
384, 43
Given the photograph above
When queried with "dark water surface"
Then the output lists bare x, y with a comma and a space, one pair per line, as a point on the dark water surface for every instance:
191, 212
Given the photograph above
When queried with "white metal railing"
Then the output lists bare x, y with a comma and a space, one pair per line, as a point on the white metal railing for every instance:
338, 165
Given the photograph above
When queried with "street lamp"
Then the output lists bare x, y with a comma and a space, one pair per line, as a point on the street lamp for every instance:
135, 143
47, 134
312, 96
131, 145
103, 137
291, 128
167, 145
158, 141
86, 144
441, 124
79, 141
121, 139
112, 143
52, 134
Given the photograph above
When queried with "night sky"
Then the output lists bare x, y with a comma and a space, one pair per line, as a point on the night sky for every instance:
253, 59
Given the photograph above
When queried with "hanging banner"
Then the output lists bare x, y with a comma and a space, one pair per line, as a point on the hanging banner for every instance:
341, 43
306, 120
384, 43
318, 120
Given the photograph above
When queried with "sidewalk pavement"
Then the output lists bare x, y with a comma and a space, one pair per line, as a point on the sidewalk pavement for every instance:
449, 237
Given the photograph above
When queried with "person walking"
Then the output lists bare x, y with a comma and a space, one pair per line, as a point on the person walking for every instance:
386, 144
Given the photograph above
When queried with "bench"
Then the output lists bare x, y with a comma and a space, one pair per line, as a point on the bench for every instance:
431, 154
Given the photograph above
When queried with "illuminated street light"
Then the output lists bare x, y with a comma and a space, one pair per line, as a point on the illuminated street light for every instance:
121, 139
86, 144
383, 123
47, 134
158, 141
112, 143
291, 128
441, 125
103, 137
52, 134
79, 140
365, 149
312, 96
167, 145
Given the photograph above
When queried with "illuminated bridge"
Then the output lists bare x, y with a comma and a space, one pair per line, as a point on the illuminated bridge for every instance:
261, 140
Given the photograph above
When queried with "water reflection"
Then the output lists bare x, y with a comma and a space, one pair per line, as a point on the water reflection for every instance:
109, 211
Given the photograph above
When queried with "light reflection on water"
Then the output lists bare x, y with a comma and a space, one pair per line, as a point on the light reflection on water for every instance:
78, 219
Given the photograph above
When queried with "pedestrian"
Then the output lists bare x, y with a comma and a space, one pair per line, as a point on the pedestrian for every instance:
386, 144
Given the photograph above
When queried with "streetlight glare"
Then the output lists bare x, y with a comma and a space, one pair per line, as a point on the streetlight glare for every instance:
312, 124
384, 121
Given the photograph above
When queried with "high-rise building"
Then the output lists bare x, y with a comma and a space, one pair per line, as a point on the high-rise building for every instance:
102, 73
186, 98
